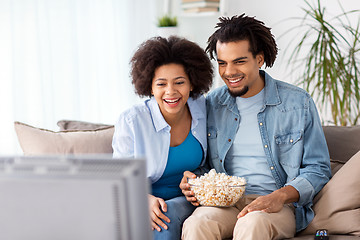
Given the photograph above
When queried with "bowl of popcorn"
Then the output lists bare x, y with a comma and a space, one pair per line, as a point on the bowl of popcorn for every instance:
217, 189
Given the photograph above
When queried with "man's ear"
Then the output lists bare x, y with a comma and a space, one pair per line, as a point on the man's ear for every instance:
260, 59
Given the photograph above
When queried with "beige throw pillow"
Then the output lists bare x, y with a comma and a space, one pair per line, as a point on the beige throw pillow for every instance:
37, 141
80, 125
337, 206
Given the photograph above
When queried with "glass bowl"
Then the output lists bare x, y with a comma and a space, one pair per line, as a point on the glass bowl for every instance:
218, 196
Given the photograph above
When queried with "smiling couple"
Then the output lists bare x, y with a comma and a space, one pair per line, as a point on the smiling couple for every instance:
255, 127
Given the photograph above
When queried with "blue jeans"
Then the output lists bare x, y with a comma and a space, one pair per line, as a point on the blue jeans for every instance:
178, 209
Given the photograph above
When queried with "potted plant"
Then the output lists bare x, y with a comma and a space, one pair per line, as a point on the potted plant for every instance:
167, 26
330, 69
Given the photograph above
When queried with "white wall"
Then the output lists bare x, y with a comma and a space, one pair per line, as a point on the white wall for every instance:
67, 59
274, 13
197, 28
277, 14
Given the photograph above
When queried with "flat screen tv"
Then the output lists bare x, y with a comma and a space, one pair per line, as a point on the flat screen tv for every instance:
73, 198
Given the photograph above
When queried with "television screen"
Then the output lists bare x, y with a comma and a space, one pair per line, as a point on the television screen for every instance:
72, 197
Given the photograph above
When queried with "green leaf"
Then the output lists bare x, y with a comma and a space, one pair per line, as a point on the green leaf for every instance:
331, 63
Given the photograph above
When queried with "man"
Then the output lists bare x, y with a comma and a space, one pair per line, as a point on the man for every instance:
262, 129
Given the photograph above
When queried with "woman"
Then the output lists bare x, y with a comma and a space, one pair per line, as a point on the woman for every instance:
169, 129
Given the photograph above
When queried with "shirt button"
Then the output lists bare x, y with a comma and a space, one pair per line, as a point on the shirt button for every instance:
220, 160
229, 140
194, 132
272, 168
261, 124
291, 140
209, 134
266, 146
235, 119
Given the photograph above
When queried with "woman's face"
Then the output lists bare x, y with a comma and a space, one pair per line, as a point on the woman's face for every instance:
171, 88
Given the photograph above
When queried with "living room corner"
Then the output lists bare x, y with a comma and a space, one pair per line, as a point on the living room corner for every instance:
65, 77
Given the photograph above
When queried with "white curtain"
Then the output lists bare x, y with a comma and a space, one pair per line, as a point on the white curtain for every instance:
67, 59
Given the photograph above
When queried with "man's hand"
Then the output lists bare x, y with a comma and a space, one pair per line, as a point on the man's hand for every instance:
185, 188
272, 202
157, 206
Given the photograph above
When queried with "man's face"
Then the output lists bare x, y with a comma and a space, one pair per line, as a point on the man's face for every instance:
239, 69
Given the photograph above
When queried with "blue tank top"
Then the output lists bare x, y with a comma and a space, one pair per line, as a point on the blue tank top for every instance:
185, 157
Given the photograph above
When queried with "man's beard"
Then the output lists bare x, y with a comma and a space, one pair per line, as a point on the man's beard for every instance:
239, 93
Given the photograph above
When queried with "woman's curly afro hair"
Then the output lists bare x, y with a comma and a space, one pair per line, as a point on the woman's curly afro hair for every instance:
159, 51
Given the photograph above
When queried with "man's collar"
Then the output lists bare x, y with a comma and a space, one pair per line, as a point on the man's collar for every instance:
271, 91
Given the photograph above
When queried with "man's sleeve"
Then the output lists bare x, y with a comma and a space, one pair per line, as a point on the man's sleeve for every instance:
315, 169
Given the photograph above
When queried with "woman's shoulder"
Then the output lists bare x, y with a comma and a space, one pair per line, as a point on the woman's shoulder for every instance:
197, 106
138, 111
198, 102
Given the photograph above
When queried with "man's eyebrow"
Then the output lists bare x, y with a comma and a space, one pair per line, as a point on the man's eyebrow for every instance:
235, 60
239, 59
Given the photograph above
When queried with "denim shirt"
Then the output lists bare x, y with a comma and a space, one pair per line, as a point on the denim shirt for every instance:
142, 131
292, 137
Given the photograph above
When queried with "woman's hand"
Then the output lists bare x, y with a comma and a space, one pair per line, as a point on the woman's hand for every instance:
157, 206
185, 188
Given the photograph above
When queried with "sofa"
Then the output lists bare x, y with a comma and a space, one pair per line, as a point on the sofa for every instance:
336, 206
